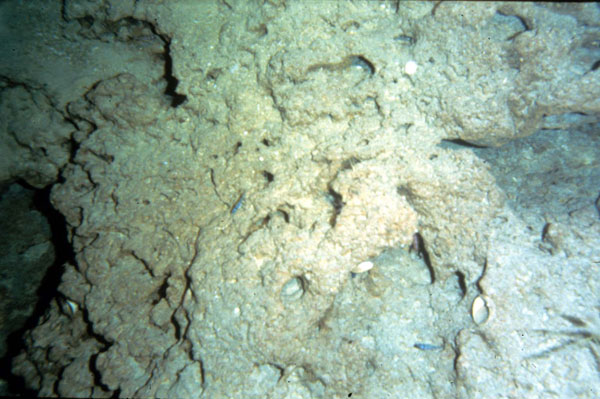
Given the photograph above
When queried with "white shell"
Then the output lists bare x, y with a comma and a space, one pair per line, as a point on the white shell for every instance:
410, 68
292, 290
363, 267
72, 306
480, 310
67, 306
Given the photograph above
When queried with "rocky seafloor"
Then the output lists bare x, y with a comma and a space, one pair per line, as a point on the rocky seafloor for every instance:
300, 199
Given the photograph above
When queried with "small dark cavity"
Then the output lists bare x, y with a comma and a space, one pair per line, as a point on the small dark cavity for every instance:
595, 66
86, 22
349, 163
260, 30
237, 147
350, 25
213, 74
515, 23
280, 368
229, 6
404, 191
584, 334
105, 347
268, 175
447, 143
350, 61
576, 321
545, 231
172, 82
478, 283
202, 372
286, 216
97, 375
526, 24
427, 261
461, 283
418, 246
266, 142
176, 326
338, 204
162, 291
265, 221
435, 7
361, 62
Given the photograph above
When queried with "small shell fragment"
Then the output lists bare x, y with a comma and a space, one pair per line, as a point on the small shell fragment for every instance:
67, 306
480, 310
292, 290
363, 267
410, 68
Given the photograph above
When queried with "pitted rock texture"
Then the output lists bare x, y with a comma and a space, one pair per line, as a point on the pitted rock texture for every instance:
304, 111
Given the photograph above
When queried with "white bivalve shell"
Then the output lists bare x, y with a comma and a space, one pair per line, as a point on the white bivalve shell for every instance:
480, 310
363, 267
292, 290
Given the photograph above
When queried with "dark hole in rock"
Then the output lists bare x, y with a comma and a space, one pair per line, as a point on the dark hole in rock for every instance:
268, 175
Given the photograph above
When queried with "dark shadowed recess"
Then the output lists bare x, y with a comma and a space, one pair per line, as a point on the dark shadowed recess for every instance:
46, 291
172, 82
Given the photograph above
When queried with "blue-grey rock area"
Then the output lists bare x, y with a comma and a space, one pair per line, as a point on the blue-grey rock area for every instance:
310, 199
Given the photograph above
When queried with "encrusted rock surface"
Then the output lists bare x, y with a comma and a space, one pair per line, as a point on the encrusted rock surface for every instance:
224, 166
